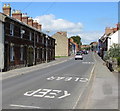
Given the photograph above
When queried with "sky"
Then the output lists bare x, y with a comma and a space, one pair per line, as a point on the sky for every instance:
86, 19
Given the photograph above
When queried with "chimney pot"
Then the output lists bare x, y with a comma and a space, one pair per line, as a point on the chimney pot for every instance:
35, 24
7, 9
8, 5
4, 5
24, 18
39, 27
30, 21
17, 15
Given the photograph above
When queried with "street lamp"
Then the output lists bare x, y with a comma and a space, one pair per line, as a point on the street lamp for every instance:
47, 46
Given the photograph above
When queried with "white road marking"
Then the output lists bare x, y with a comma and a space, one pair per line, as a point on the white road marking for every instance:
77, 79
68, 79
54, 93
33, 92
23, 106
60, 78
65, 95
83, 80
91, 74
51, 78
47, 93
42, 93
88, 62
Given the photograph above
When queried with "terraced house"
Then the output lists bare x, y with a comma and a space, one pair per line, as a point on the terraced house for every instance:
22, 43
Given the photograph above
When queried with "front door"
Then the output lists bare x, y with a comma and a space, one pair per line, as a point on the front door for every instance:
30, 57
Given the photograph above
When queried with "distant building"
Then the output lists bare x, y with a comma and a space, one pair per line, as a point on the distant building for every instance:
94, 46
21, 41
61, 41
110, 36
87, 47
113, 38
73, 47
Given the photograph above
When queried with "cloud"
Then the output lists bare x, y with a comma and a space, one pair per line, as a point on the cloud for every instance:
50, 22
90, 36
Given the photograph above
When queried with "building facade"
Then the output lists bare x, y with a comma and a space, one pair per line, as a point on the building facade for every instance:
94, 46
113, 38
110, 36
1, 42
61, 41
73, 47
24, 43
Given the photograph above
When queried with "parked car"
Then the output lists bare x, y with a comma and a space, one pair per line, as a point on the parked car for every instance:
78, 56
85, 52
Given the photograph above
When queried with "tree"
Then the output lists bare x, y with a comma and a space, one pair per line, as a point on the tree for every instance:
77, 39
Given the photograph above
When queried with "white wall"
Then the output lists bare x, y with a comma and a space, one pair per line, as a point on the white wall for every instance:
1, 44
115, 38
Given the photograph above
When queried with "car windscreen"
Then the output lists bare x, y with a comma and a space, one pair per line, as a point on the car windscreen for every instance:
78, 54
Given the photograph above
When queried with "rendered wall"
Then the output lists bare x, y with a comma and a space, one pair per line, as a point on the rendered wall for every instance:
1, 43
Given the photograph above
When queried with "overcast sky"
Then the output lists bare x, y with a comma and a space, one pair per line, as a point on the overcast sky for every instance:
87, 19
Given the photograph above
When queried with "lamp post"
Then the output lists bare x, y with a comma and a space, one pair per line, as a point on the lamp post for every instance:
47, 46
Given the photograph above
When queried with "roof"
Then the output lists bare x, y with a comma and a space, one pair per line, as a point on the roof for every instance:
22, 23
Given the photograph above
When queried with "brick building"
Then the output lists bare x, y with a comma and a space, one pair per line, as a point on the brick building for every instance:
23, 43
94, 46
73, 47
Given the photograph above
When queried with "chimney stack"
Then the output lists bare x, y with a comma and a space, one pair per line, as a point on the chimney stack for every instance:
39, 27
35, 24
7, 9
17, 15
30, 21
25, 18
108, 30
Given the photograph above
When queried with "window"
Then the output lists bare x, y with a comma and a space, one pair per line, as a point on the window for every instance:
22, 33
11, 29
21, 53
37, 38
43, 53
37, 53
11, 53
30, 37
42, 40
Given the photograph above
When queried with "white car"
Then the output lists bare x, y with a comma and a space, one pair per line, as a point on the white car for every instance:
78, 56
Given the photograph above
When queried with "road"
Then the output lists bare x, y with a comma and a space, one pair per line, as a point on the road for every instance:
56, 87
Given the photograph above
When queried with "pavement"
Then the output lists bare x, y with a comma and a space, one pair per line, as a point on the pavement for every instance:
104, 91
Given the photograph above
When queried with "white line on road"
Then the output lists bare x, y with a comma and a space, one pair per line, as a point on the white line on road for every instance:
91, 73
23, 106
